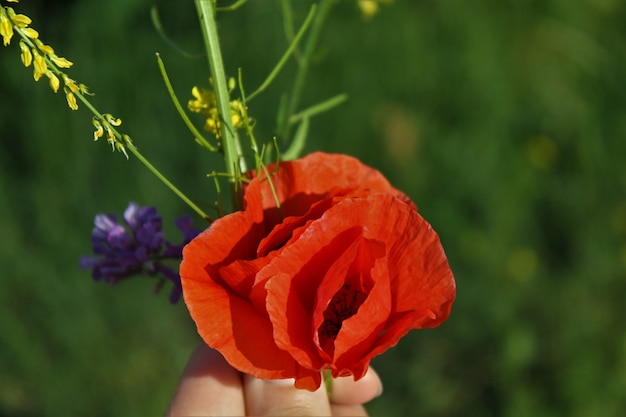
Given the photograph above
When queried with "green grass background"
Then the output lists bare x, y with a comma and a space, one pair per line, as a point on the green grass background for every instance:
504, 120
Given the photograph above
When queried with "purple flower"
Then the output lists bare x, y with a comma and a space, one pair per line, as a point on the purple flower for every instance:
139, 248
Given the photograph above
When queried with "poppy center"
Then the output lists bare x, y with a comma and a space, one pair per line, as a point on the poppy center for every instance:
344, 304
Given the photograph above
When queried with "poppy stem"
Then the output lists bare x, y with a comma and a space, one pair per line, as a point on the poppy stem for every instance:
327, 376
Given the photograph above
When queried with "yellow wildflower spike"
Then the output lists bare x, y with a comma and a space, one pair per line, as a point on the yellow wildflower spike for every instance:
21, 20
60, 61
27, 56
6, 29
40, 66
54, 81
71, 100
30, 33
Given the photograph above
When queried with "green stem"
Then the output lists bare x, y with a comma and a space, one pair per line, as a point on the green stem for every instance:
171, 186
233, 155
199, 138
303, 68
286, 55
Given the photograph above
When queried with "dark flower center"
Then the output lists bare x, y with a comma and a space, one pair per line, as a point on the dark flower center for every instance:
344, 304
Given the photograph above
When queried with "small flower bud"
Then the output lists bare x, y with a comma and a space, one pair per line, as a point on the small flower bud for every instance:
46, 49
21, 21
27, 56
71, 99
71, 84
30, 33
60, 61
54, 81
99, 132
6, 29
40, 66
112, 120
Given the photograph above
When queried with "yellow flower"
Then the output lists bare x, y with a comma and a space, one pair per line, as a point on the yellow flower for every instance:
370, 7
99, 132
30, 33
60, 61
236, 113
21, 20
40, 66
212, 125
113, 121
111, 136
71, 84
27, 56
46, 49
205, 104
54, 81
204, 100
71, 99
6, 29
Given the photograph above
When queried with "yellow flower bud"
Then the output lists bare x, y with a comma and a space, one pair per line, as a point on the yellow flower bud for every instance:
54, 81
71, 99
6, 29
31, 33
40, 66
99, 132
46, 49
111, 136
21, 21
60, 61
112, 120
71, 84
27, 56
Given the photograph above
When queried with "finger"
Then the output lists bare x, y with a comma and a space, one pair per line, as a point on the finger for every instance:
346, 391
209, 386
348, 411
280, 398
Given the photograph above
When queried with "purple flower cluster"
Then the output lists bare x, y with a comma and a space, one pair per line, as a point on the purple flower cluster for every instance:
138, 249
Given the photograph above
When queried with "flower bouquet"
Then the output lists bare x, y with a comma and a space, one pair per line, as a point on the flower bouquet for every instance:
316, 266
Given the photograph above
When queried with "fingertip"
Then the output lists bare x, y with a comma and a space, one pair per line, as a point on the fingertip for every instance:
347, 391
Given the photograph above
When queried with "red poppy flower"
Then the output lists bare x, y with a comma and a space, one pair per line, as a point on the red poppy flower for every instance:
330, 277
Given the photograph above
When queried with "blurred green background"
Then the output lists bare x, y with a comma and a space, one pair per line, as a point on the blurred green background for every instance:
504, 120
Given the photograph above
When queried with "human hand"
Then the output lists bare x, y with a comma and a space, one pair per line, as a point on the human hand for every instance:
211, 387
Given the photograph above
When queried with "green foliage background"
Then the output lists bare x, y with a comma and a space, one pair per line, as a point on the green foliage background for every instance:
503, 119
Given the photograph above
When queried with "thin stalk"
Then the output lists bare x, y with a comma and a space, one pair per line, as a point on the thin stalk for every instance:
165, 181
199, 138
233, 155
303, 67
286, 55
